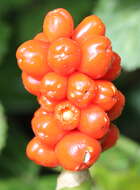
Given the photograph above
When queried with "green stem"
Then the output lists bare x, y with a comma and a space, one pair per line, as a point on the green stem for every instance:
69, 180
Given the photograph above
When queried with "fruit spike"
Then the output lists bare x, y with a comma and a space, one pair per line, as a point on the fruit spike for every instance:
70, 71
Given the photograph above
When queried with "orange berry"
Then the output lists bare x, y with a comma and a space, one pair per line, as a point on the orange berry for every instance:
54, 86
115, 68
111, 138
64, 56
45, 127
31, 84
106, 96
77, 151
90, 26
41, 154
96, 56
117, 109
58, 23
46, 104
94, 122
32, 58
67, 115
40, 112
41, 37
81, 90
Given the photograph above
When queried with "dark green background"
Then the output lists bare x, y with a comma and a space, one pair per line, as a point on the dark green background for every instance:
20, 20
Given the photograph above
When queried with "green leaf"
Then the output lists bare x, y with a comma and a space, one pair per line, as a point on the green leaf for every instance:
47, 182
5, 32
3, 128
118, 167
13, 161
121, 19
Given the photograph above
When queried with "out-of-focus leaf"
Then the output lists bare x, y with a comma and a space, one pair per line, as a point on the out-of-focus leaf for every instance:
122, 22
47, 182
3, 128
118, 167
4, 39
13, 161
31, 21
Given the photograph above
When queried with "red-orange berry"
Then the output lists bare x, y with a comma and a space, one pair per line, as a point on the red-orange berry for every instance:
46, 104
90, 26
46, 128
41, 154
77, 151
40, 112
96, 56
58, 23
54, 86
117, 109
67, 115
31, 84
64, 56
81, 90
111, 138
41, 37
32, 58
94, 122
106, 95
115, 68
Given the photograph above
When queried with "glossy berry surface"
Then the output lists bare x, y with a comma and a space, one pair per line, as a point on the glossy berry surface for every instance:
41, 154
41, 37
106, 95
70, 70
94, 122
31, 84
115, 68
117, 109
77, 151
111, 137
81, 90
46, 128
67, 115
90, 26
64, 56
32, 58
58, 23
46, 104
97, 55
40, 112
54, 86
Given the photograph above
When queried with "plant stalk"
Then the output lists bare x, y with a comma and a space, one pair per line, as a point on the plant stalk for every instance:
69, 180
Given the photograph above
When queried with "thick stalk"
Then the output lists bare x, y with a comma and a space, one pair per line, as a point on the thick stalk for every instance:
69, 180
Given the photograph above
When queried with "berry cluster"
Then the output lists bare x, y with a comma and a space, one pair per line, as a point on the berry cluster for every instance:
70, 71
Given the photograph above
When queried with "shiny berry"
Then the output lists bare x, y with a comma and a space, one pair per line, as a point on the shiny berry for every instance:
67, 115
117, 109
31, 84
77, 151
111, 137
46, 104
64, 56
46, 128
115, 68
40, 112
32, 58
41, 154
81, 90
54, 86
41, 37
96, 57
94, 122
58, 23
106, 96
90, 26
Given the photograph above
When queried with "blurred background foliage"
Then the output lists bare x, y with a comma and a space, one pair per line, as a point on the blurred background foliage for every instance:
20, 20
